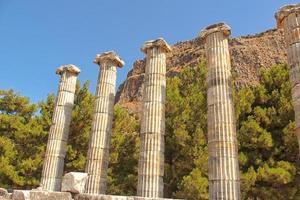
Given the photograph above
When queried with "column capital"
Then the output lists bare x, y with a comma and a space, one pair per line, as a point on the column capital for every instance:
159, 43
219, 27
285, 11
109, 56
69, 68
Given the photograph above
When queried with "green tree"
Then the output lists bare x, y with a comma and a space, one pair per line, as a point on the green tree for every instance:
268, 149
80, 129
124, 153
186, 149
266, 134
21, 141
122, 170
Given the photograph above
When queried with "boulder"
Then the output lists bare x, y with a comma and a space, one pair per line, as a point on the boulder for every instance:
74, 182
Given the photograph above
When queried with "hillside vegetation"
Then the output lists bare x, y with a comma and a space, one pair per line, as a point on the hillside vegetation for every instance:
268, 149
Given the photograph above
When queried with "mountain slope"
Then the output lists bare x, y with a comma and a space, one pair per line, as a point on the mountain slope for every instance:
248, 55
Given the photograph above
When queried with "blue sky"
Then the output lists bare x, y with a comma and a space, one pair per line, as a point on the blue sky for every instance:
37, 36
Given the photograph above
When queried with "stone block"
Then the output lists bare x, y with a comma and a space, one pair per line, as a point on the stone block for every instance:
3, 192
21, 195
112, 197
47, 195
101, 197
40, 195
74, 182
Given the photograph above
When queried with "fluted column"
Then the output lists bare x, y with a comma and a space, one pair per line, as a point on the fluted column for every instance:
288, 18
223, 171
98, 153
151, 160
59, 130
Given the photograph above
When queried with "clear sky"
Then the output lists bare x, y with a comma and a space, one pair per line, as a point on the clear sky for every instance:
37, 36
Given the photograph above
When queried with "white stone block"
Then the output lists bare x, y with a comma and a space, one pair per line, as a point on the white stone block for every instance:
74, 182
21, 195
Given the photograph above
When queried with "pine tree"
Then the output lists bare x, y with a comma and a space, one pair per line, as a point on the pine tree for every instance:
268, 149
21, 144
124, 153
268, 146
186, 150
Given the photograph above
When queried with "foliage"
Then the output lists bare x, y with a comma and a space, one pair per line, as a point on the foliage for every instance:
186, 149
124, 153
267, 140
268, 149
20, 135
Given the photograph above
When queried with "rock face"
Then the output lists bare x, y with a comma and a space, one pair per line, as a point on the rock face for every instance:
74, 182
248, 55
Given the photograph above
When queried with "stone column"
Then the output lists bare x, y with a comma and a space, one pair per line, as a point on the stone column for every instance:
288, 18
59, 130
98, 153
224, 182
151, 161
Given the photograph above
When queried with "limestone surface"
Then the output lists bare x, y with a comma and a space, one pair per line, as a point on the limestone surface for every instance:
288, 18
224, 181
3, 192
74, 182
248, 55
59, 130
113, 197
151, 160
21, 195
40, 195
98, 152
46, 195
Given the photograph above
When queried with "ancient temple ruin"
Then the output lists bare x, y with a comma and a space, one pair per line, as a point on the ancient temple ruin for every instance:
58, 135
151, 161
98, 153
224, 180
288, 18
223, 168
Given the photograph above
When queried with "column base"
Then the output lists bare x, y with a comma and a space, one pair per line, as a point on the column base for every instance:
49, 195
112, 197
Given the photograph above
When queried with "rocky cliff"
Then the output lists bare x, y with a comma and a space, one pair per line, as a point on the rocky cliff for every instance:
248, 55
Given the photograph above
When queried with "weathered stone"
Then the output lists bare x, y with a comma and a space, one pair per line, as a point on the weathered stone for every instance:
59, 130
98, 153
112, 197
40, 195
74, 182
46, 195
3, 192
248, 55
101, 197
288, 18
151, 160
21, 195
224, 181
